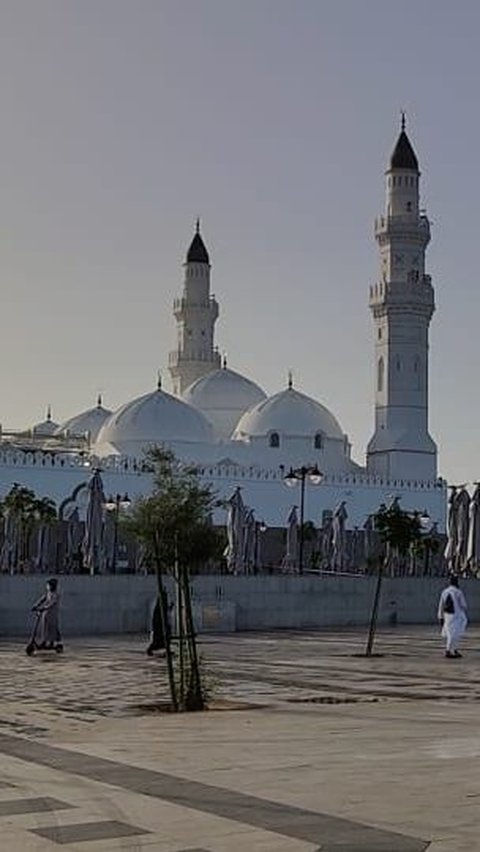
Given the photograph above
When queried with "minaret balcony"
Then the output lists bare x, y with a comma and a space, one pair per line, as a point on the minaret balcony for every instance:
178, 357
185, 303
407, 224
415, 295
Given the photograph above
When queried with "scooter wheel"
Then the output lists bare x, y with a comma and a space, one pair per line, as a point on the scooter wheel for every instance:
29, 650
59, 649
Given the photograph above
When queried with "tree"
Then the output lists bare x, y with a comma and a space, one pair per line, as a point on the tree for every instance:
174, 523
21, 510
399, 531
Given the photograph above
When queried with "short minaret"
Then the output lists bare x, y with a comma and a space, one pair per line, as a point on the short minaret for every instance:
196, 313
402, 304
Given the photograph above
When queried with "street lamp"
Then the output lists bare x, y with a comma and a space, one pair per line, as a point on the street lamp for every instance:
292, 478
260, 527
114, 504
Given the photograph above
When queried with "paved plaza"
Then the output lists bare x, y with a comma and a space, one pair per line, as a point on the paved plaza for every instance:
307, 746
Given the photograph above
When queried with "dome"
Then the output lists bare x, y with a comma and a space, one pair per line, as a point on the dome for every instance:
290, 414
90, 421
153, 418
223, 396
46, 427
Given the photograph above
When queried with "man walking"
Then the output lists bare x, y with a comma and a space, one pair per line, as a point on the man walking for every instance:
452, 610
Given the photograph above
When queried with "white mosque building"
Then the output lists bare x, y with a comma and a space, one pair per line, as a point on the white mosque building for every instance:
238, 435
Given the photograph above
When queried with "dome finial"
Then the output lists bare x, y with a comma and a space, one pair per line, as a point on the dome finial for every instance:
99, 400
197, 225
224, 361
49, 412
290, 380
402, 121
159, 380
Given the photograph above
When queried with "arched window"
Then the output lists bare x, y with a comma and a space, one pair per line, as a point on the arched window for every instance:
318, 441
380, 374
274, 440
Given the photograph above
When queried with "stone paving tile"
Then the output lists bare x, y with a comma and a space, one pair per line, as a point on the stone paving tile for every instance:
88, 831
10, 807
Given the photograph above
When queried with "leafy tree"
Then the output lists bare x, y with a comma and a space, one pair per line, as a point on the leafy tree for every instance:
174, 524
399, 531
26, 510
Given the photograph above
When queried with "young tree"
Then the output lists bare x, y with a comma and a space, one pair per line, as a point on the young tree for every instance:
174, 524
398, 531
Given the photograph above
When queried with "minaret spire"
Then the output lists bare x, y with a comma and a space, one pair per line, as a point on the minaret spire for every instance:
402, 122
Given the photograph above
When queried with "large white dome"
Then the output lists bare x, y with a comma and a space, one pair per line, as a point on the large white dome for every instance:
154, 418
290, 414
89, 421
223, 396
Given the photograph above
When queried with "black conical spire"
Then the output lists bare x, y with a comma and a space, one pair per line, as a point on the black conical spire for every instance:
197, 253
404, 156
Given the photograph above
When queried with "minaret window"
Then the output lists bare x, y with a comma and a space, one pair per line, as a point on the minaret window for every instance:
274, 440
318, 441
380, 374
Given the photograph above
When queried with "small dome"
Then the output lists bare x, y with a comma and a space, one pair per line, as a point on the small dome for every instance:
154, 418
290, 414
197, 253
46, 427
90, 421
223, 396
404, 156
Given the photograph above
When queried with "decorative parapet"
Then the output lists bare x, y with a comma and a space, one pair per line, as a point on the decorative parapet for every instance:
222, 471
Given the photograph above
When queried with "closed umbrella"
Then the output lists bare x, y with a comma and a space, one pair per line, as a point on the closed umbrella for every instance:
340, 516
11, 541
462, 520
42, 554
93, 544
249, 535
290, 560
74, 539
235, 531
451, 546
473, 549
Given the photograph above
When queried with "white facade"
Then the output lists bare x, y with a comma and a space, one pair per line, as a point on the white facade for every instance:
225, 424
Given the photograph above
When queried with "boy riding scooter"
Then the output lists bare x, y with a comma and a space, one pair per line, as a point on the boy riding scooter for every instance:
46, 632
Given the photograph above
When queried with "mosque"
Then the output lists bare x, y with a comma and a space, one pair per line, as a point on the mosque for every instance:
236, 434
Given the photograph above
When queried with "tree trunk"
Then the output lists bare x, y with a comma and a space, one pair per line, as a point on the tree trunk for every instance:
195, 697
375, 607
166, 631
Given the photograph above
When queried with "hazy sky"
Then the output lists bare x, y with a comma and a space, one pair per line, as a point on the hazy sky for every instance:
122, 120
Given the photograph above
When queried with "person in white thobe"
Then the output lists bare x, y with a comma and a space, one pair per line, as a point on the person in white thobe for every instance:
452, 611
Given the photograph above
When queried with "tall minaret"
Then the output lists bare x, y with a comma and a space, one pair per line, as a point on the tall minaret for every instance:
402, 304
196, 313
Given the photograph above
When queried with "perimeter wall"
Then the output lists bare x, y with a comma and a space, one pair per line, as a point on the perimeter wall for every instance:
122, 604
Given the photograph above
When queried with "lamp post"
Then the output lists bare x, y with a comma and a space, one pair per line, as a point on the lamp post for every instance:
114, 504
260, 527
300, 475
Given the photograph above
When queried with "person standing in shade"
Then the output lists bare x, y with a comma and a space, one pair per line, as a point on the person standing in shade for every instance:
452, 610
159, 637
